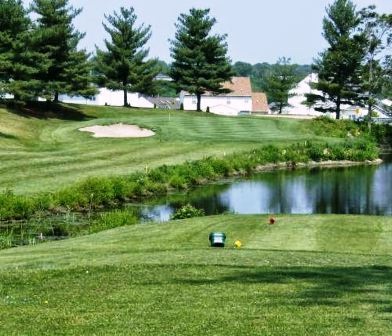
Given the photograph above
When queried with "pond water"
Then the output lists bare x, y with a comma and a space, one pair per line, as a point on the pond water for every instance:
343, 190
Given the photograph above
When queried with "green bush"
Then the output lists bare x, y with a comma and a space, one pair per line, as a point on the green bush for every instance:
111, 220
187, 211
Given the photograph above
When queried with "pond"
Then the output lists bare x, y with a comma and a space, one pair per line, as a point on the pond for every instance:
343, 190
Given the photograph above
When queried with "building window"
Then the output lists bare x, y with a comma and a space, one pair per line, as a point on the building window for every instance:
228, 101
194, 100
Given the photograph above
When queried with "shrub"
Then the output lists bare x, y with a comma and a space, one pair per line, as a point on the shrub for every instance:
111, 220
178, 182
187, 211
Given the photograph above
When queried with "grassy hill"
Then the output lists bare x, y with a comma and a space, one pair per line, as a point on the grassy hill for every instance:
40, 151
305, 275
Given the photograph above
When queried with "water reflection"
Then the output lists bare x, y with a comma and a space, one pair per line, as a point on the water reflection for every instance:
349, 190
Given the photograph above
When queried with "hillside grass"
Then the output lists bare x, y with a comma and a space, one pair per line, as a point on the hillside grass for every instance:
41, 151
305, 275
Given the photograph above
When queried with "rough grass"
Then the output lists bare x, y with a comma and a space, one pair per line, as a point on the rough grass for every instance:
305, 275
41, 151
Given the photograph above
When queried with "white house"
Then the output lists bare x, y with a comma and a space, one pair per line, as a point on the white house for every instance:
240, 99
298, 98
297, 102
111, 98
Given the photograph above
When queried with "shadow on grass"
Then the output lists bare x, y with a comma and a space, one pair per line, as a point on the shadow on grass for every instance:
48, 110
8, 136
330, 286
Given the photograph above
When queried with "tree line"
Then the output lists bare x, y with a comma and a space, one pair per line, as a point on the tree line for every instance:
356, 68
42, 58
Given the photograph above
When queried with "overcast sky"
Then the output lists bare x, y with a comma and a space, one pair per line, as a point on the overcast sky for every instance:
258, 30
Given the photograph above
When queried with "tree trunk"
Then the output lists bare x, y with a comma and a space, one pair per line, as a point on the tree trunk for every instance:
56, 97
198, 108
338, 108
125, 97
280, 107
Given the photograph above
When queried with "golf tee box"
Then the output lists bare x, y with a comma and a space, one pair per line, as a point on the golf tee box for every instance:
217, 239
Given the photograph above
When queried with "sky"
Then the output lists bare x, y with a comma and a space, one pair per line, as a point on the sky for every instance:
257, 30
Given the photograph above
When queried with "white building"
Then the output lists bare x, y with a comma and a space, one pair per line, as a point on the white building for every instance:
297, 102
111, 98
298, 98
239, 100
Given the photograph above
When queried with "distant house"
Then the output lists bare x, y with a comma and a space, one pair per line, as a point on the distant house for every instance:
297, 100
111, 98
165, 103
163, 77
259, 103
239, 100
298, 106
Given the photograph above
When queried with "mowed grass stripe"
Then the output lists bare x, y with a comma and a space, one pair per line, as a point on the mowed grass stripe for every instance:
164, 279
43, 154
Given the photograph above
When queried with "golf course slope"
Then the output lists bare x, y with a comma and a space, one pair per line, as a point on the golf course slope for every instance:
304, 275
43, 151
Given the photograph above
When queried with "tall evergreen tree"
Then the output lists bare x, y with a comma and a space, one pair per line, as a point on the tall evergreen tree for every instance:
67, 69
338, 67
377, 30
123, 65
18, 63
281, 80
200, 63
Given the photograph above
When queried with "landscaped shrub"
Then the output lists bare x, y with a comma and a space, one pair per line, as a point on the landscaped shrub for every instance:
187, 211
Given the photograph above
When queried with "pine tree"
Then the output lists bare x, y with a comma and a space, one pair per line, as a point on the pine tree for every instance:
200, 62
123, 65
18, 63
279, 83
377, 30
338, 67
67, 70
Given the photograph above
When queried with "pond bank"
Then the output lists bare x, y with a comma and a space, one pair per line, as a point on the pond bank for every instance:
103, 192
345, 189
312, 164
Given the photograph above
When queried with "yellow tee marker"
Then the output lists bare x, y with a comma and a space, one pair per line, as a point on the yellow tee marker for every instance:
237, 244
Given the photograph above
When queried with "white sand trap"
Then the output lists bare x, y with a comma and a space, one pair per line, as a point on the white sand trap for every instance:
118, 131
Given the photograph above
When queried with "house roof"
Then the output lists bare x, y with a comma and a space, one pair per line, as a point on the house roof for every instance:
259, 102
239, 87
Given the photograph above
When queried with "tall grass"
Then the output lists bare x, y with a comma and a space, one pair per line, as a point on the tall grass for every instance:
107, 192
41, 229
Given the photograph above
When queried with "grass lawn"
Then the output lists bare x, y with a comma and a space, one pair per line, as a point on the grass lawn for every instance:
306, 275
41, 153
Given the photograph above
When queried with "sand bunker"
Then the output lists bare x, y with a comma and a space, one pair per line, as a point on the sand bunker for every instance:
118, 131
